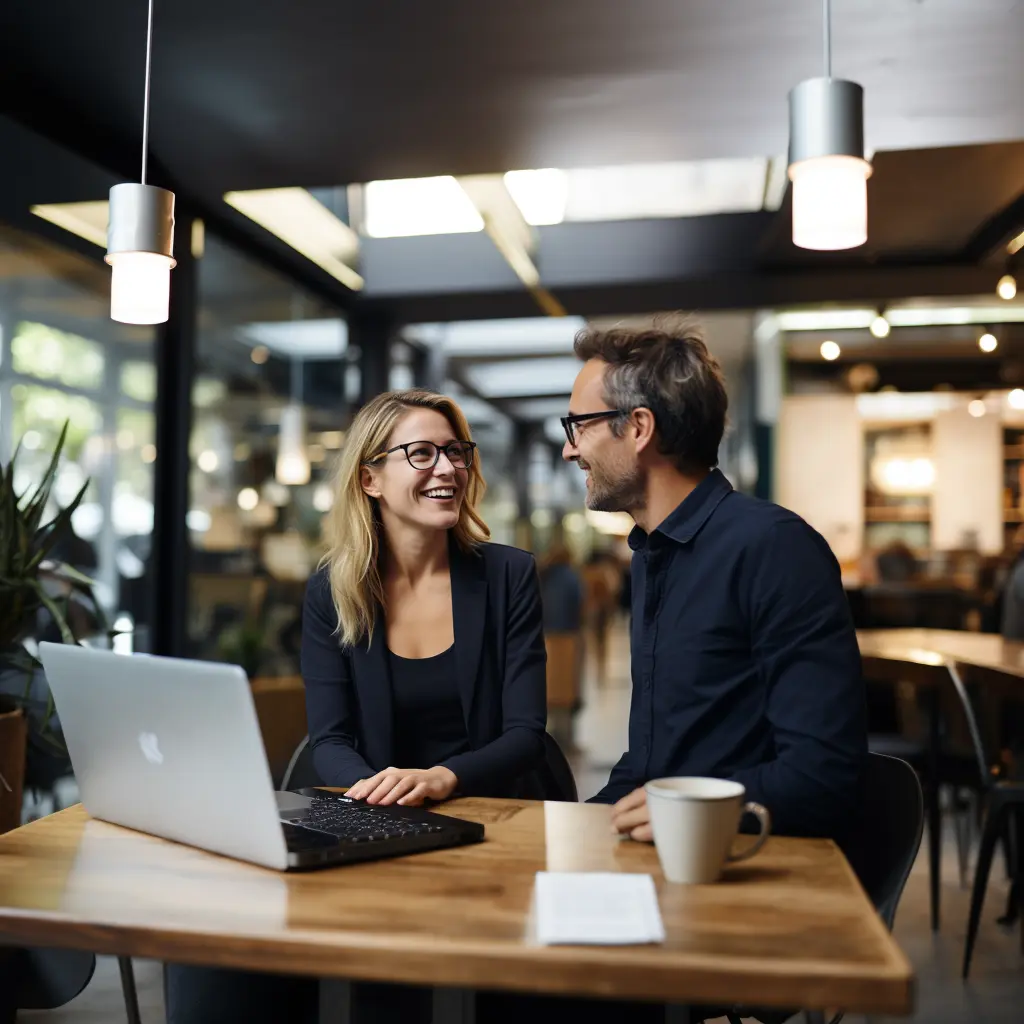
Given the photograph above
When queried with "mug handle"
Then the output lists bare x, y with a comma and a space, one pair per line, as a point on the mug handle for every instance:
761, 813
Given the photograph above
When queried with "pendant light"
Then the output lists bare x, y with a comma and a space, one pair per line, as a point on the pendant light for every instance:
826, 158
140, 236
292, 466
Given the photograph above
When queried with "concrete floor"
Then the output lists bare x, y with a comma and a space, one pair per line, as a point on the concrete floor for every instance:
994, 994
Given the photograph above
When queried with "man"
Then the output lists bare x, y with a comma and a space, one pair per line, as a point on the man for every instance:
744, 659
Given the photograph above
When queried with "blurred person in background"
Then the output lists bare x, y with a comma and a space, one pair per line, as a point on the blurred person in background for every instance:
562, 596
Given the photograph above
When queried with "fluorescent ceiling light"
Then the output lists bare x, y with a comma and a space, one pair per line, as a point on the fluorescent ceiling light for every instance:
87, 220
524, 377
418, 206
692, 189
886, 406
827, 319
541, 195
299, 339
300, 220
526, 336
907, 316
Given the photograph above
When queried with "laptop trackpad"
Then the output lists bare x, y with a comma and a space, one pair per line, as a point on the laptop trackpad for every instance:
292, 805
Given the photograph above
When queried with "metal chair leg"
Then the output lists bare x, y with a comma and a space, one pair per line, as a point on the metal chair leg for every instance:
986, 851
131, 996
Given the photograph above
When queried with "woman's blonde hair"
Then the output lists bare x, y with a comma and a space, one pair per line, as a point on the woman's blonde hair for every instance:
353, 529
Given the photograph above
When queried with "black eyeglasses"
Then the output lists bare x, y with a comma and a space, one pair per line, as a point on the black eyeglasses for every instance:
425, 454
569, 422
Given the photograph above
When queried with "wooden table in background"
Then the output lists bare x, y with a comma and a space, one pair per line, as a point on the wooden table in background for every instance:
791, 928
934, 658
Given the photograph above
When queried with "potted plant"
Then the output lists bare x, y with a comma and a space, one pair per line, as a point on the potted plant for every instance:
36, 590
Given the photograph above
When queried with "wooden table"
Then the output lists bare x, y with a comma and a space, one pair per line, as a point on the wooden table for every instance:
933, 658
943, 647
791, 928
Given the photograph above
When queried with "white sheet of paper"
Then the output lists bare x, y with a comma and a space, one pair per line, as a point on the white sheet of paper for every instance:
599, 908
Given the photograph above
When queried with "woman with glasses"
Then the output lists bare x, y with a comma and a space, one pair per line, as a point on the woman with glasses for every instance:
422, 645
423, 659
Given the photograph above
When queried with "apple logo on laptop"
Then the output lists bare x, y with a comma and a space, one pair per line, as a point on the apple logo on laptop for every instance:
150, 748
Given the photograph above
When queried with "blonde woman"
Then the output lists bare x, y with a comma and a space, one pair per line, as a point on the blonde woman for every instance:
422, 644
424, 663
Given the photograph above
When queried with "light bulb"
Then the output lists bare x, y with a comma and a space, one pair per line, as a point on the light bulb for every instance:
140, 287
248, 499
976, 408
987, 342
880, 327
1016, 398
1007, 287
830, 202
830, 351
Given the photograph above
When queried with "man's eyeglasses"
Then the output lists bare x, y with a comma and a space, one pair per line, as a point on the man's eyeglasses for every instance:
569, 423
425, 454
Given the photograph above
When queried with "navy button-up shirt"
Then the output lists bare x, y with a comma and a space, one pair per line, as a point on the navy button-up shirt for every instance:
744, 660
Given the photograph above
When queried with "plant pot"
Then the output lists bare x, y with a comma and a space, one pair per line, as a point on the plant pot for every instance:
13, 734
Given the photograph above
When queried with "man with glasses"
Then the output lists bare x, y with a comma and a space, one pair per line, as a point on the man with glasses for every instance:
744, 659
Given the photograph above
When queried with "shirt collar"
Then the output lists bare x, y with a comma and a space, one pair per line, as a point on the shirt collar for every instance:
685, 521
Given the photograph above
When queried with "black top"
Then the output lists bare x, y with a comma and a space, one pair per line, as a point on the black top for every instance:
499, 671
744, 660
429, 725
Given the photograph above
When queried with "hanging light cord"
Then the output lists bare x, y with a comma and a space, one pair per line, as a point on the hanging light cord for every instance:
826, 33
145, 104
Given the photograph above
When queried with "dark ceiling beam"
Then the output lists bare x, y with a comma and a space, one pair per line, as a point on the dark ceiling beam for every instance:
726, 291
995, 233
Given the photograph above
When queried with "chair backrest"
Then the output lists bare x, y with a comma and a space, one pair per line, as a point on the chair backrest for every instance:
300, 771
557, 781
884, 846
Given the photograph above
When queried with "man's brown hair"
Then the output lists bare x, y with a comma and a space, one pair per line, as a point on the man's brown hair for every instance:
668, 369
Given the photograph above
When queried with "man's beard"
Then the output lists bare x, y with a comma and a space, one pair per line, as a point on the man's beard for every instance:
625, 494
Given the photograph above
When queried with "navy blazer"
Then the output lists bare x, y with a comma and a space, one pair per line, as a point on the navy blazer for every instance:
501, 663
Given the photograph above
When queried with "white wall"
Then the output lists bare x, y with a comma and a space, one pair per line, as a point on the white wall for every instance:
968, 456
819, 471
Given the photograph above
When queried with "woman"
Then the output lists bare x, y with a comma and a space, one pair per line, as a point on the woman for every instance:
422, 647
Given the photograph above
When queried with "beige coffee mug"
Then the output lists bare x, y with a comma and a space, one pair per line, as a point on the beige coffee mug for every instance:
695, 821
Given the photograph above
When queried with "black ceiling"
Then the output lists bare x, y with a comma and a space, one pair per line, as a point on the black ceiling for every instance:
324, 92
255, 93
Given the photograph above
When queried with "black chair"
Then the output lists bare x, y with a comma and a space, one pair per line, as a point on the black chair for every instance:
881, 851
41, 979
1004, 820
300, 772
556, 778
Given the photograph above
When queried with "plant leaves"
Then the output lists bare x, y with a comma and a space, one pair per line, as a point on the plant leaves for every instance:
58, 616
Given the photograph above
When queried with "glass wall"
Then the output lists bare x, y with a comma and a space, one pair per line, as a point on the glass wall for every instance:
271, 394
63, 360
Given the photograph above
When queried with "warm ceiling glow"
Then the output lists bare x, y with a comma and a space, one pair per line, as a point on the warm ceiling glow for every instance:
418, 206
976, 408
300, 220
540, 195
880, 327
1015, 399
87, 220
1007, 287
830, 202
830, 351
987, 342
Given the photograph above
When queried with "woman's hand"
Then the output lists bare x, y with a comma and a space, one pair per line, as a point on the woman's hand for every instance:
408, 787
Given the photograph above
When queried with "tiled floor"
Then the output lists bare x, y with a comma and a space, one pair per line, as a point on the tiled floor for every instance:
994, 995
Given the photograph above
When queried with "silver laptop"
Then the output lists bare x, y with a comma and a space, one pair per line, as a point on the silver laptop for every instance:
173, 748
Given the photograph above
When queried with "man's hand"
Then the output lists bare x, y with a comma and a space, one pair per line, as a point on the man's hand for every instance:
631, 817
408, 787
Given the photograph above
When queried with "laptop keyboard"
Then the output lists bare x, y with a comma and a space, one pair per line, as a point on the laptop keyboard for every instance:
358, 823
